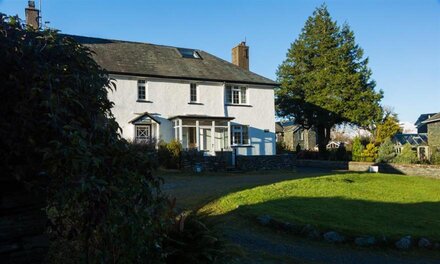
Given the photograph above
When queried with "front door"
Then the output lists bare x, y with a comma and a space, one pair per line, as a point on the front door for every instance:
143, 133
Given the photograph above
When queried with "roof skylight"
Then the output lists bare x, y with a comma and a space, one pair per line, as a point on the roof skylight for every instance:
189, 53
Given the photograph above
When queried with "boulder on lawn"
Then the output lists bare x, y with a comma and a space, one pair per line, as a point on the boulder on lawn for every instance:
424, 243
365, 241
334, 237
404, 243
264, 219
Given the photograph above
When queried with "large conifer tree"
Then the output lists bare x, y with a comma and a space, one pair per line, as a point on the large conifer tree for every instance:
325, 80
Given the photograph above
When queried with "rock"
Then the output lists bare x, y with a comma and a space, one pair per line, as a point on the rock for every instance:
365, 241
424, 243
264, 219
404, 243
334, 237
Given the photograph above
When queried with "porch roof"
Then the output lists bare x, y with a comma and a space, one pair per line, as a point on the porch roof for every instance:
205, 117
143, 115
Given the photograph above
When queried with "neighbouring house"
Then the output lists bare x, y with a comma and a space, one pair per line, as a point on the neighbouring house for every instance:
165, 93
422, 127
433, 131
279, 132
332, 145
293, 135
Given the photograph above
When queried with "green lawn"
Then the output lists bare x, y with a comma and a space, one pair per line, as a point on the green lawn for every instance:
355, 203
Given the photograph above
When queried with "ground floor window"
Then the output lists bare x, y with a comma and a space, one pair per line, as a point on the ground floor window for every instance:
143, 133
240, 135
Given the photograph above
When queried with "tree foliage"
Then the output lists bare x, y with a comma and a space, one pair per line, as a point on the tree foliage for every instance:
59, 137
387, 129
386, 152
357, 149
369, 154
325, 79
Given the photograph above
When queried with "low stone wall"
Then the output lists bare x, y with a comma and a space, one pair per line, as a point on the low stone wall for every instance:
267, 162
432, 171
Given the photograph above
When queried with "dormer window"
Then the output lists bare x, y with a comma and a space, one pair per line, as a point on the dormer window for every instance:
189, 53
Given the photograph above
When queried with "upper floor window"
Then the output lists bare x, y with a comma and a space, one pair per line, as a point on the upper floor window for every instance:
236, 94
142, 92
240, 135
193, 93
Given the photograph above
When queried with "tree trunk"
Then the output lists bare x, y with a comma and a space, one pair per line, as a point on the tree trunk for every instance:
323, 133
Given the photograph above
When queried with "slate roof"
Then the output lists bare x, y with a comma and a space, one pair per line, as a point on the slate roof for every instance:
412, 139
278, 127
422, 118
434, 118
149, 60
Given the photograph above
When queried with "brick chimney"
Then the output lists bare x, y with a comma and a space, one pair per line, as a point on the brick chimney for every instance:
240, 55
32, 15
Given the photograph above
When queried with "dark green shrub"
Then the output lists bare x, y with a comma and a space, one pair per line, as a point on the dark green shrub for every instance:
281, 147
193, 239
58, 135
170, 154
386, 152
406, 156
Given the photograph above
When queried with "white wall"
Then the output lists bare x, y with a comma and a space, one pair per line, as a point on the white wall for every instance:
170, 98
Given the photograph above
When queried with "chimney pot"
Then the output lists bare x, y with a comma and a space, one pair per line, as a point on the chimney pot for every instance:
240, 55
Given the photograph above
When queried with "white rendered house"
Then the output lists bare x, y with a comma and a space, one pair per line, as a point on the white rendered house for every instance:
167, 93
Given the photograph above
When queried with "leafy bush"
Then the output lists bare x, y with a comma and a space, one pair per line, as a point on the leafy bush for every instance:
435, 157
357, 149
170, 154
281, 147
370, 153
406, 156
386, 152
58, 135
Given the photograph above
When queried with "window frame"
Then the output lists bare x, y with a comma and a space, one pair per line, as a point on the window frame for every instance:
236, 94
193, 88
142, 84
244, 138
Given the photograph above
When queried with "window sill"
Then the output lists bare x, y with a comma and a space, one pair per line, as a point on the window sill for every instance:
243, 105
143, 101
194, 103
242, 146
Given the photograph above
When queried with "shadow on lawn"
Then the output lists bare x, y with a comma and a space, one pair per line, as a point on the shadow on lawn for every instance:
351, 217
194, 191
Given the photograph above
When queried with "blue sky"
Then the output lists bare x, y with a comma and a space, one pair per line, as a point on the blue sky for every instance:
401, 37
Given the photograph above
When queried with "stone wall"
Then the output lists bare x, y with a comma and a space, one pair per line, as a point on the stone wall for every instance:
432, 171
267, 162
434, 134
22, 225
220, 162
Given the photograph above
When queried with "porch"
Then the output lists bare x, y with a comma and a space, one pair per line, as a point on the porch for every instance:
204, 133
